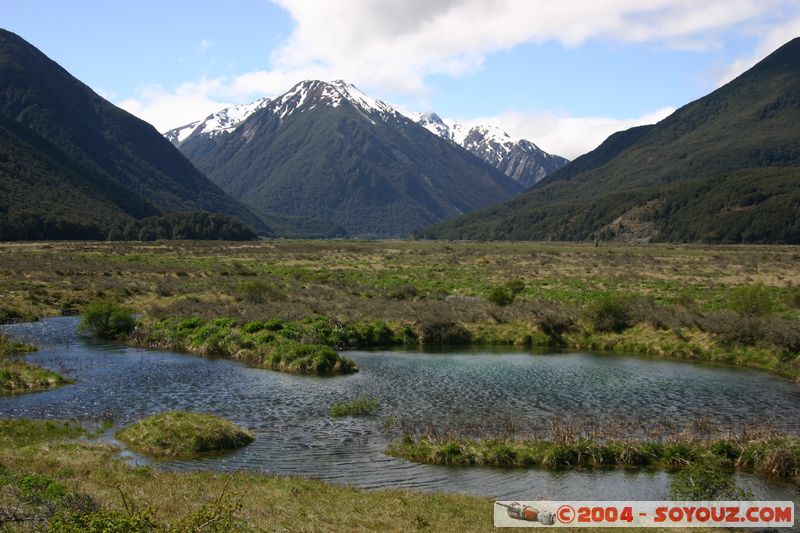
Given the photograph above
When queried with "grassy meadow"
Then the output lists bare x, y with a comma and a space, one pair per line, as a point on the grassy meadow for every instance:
730, 304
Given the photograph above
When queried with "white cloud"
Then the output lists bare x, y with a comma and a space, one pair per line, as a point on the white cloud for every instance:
204, 45
565, 135
394, 47
167, 109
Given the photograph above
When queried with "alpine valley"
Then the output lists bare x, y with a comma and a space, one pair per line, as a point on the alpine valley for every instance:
325, 159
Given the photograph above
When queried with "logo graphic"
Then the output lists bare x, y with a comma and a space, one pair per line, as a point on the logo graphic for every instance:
527, 513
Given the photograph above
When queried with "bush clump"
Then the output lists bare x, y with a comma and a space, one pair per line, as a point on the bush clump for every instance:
613, 313
506, 293
107, 320
357, 407
556, 321
403, 292
259, 292
184, 433
751, 301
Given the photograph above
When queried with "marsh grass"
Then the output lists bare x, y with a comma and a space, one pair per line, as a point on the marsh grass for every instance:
296, 347
93, 486
358, 407
760, 451
11, 347
19, 377
734, 304
184, 434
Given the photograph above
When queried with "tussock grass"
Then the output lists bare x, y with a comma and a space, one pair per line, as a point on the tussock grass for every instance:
183, 433
10, 347
773, 455
301, 348
19, 377
88, 483
357, 407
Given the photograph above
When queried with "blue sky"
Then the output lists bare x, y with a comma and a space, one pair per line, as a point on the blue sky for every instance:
564, 74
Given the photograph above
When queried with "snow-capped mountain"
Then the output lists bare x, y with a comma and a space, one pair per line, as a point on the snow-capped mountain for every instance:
521, 160
308, 94
329, 151
217, 123
333, 93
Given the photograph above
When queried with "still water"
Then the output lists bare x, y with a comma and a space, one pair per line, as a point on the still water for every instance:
295, 435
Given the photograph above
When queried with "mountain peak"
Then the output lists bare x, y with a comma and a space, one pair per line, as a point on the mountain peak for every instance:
309, 94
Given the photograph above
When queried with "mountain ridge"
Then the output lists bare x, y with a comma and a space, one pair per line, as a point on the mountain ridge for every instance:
114, 149
723, 168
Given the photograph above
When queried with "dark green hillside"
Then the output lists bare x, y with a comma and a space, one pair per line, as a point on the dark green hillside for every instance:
45, 194
725, 168
110, 153
372, 175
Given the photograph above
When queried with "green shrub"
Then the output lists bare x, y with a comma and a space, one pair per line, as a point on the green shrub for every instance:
613, 313
500, 295
253, 327
273, 325
751, 301
107, 320
102, 521
34, 487
357, 407
259, 292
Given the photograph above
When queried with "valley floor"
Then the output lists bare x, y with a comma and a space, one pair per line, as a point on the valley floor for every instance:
728, 304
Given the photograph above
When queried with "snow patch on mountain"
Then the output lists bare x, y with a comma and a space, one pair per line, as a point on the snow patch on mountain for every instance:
217, 123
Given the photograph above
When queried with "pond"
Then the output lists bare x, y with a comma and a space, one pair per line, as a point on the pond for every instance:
295, 434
